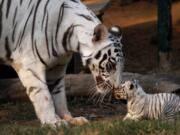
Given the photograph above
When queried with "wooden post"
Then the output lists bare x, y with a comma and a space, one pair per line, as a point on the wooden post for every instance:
164, 34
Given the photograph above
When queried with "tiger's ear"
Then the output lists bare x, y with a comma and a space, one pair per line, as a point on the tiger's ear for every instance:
100, 33
116, 31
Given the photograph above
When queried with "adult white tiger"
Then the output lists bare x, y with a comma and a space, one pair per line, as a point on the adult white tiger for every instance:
141, 105
37, 38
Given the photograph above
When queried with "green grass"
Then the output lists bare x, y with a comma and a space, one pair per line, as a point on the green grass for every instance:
19, 119
114, 127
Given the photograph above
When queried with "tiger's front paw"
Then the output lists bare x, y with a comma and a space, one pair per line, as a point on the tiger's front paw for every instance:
75, 120
79, 121
54, 123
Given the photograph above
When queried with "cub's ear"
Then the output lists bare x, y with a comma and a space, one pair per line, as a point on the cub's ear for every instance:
100, 33
116, 31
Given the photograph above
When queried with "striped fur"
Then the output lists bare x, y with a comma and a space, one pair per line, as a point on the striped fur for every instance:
148, 106
38, 37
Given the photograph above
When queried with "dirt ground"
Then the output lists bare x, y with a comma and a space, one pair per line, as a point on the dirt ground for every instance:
138, 22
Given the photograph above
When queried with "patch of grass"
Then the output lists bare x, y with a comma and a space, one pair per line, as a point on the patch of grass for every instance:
19, 119
114, 127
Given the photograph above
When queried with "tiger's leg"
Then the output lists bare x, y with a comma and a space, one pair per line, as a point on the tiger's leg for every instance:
57, 87
33, 78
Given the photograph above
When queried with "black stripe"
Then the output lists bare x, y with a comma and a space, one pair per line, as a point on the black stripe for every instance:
22, 35
109, 52
8, 7
87, 17
31, 89
56, 92
70, 36
76, 1
142, 109
64, 41
103, 59
54, 83
21, 2
46, 35
34, 21
44, 14
98, 55
14, 17
54, 52
60, 18
58, 81
8, 50
13, 33
67, 36
78, 47
36, 76
106, 47
39, 56
1, 17
66, 5
29, 3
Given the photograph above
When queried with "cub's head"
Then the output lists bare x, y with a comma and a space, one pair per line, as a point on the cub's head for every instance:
104, 56
128, 90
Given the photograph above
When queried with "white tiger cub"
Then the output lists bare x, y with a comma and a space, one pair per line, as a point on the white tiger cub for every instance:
141, 105
38, 37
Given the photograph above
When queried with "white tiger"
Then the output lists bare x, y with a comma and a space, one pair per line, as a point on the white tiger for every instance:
141, 105
37, 38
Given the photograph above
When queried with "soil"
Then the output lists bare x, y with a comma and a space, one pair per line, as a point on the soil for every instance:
138, 22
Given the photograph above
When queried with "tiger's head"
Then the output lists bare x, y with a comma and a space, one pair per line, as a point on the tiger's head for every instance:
128, 90
104, 56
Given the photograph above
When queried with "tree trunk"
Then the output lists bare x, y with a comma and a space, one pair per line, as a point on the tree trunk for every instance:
82, 85
164, 34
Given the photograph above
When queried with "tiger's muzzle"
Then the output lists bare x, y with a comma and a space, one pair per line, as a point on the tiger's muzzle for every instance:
103, 85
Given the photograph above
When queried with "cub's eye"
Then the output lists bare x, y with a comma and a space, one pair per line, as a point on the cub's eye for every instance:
131, 86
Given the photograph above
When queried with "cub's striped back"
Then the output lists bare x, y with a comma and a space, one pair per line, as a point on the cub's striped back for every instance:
152, 106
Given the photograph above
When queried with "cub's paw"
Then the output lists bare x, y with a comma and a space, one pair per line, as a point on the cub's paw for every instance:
78, 121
